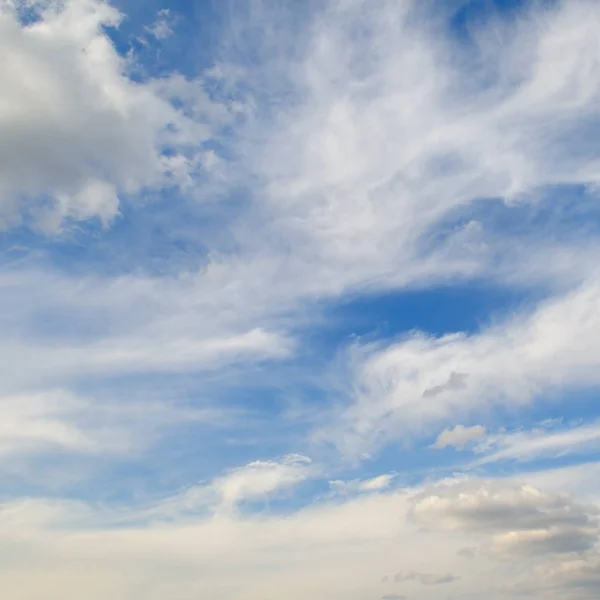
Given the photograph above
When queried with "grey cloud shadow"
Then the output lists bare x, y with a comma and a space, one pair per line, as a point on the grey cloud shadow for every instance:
456, 381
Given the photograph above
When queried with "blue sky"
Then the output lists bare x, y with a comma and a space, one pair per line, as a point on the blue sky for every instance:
299, 299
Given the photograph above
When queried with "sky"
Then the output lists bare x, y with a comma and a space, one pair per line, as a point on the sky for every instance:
299, 299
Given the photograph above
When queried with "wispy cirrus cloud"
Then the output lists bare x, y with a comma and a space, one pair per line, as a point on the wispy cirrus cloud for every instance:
327, 152
515, 362
539, 443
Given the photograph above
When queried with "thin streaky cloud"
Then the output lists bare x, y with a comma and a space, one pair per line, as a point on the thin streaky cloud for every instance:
299, 300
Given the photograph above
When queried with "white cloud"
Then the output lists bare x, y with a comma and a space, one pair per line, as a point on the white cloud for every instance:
485, 506
392, 133
544, 541
510, 519
161, 29
399, 158
553, 347
129, 325
256, 481
383, 141
76, 132
539, 443
61, 422
341, 549
459, 436
576, 578
582, 480
37, 422
260, 479
375, 484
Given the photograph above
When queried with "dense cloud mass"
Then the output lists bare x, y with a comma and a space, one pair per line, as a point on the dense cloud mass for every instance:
519, 518
306, 293
76, 130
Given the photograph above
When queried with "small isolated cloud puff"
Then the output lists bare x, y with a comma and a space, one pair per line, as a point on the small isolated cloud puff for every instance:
459, 437
161, 29
258, 480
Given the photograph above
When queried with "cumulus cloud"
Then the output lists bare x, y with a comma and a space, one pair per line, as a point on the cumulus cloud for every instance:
76, 131
512, 519
489, 506
540, 542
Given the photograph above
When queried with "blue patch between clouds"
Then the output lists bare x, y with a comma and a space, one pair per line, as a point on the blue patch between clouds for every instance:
437, 311
196, 26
